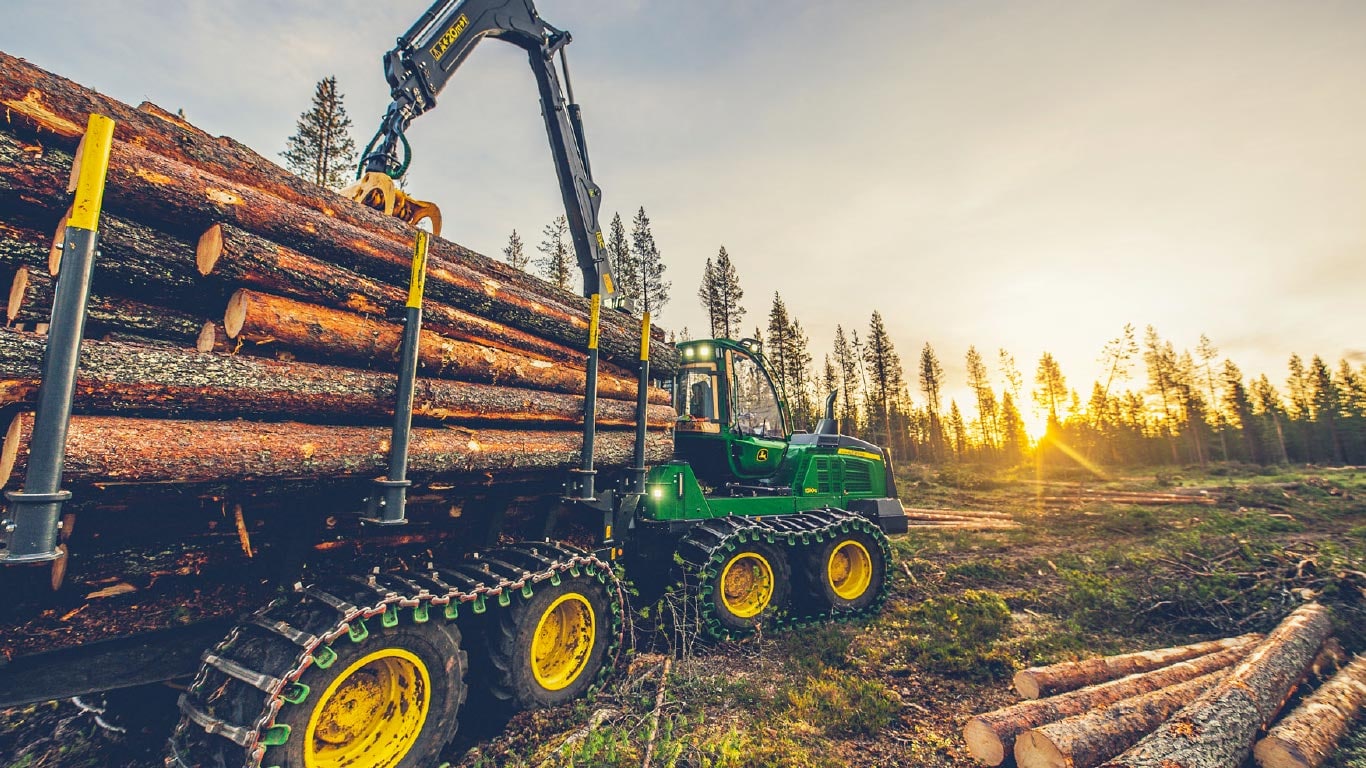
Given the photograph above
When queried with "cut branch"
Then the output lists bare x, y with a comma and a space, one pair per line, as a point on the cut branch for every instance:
1035, 682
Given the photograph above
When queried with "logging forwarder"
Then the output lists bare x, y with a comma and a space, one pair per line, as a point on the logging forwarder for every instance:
763, 526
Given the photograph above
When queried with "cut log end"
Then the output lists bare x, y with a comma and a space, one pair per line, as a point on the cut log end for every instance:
208, 337
983, 744
236, 314
54, 255
9, 452
1035, 750
17, 288
76, 166
1274, 753
208, 249
1026, 685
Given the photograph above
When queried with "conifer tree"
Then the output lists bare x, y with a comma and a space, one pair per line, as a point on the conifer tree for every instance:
776, 341
1052, 388
798, 361
321, 149
1160, 360
958, 431
554, 259
980, 383
728, 295
1239, 404
848, 365
932, 384
706, 295
1208, 352
514, 253
884, 375
1013, 437
625, 268
1327, 401
1266, 403
650, 289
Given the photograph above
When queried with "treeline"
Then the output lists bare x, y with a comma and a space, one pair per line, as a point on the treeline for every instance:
1187, 407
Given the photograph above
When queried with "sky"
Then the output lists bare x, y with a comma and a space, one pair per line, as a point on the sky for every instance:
1028, 175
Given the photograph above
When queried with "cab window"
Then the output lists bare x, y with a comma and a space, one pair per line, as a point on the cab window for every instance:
695, 393
754, 407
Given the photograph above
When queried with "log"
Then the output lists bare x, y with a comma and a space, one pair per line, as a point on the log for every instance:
213, 337
960, 512
1308, 735
329, 334
1217, 729
125, 379
141, 262
1035, 682
40, 104
1087, 740
115, 450
239, 258
991, 737
30, 301
21, 246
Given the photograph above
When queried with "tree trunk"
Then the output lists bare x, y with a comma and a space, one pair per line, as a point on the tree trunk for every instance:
1217, 729
1308, 735
991, 737
1087, 740
126, 379
333, 334
21, 246
30, 301
143, 263
115, 450
1035, 682
238, 258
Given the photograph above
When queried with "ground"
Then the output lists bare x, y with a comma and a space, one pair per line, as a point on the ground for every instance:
967, 610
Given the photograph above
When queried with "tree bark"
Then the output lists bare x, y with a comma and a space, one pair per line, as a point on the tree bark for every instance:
1035, 682
127, 379
1307, 736
333, 334
240, 259
1087, 740
39, 104
143, 263
21, 246
991, 737
1217, 729
115, 450
30, 301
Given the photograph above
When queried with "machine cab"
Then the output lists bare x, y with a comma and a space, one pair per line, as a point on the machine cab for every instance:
733, 425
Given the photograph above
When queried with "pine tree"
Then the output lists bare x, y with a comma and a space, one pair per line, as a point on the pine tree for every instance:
321, 149
957, 430
1013, 437
848, 364
728, 295
1208, 352
884, 375
1266, 403
830, 381
1326, 401
932, 384
554, 259
1161, 363
1239, 405
980, 383
514, 254
625, 268
706, 295
649, 287
798, 360
1052, 388
777, 344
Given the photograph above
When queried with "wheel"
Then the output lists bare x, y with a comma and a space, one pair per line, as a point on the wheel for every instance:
376, 692
747, 587
389, 702
846, 573
550, 648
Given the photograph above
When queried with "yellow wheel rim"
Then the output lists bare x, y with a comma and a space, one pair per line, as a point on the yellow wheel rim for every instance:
850, 570
563, 642
747, 585
371, 714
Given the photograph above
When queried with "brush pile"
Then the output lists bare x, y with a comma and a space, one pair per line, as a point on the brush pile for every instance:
242, 331
1195, 706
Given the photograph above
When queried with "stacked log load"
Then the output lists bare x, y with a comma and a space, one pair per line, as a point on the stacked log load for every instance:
1195, 706
244, 324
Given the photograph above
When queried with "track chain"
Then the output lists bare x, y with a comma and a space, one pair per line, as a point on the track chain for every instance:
705, 548
261, 660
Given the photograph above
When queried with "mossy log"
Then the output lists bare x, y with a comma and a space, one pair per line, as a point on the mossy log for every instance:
30, 301
330, 334
114, 450
991, 737
1218, 728
1035, 682
1307, 736
1088, 739
133, 379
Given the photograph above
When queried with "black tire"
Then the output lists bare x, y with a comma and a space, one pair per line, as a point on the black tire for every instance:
437, 647
723, 594
558, 611
843, 590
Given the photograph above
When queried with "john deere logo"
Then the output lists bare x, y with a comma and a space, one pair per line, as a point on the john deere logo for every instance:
448, 39
762, 455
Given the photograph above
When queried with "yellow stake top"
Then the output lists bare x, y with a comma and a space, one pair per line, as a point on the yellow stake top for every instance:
418, 282
99, 139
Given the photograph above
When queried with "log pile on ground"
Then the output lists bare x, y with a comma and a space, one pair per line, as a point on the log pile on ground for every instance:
1195, 706
958, 519
244, 324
